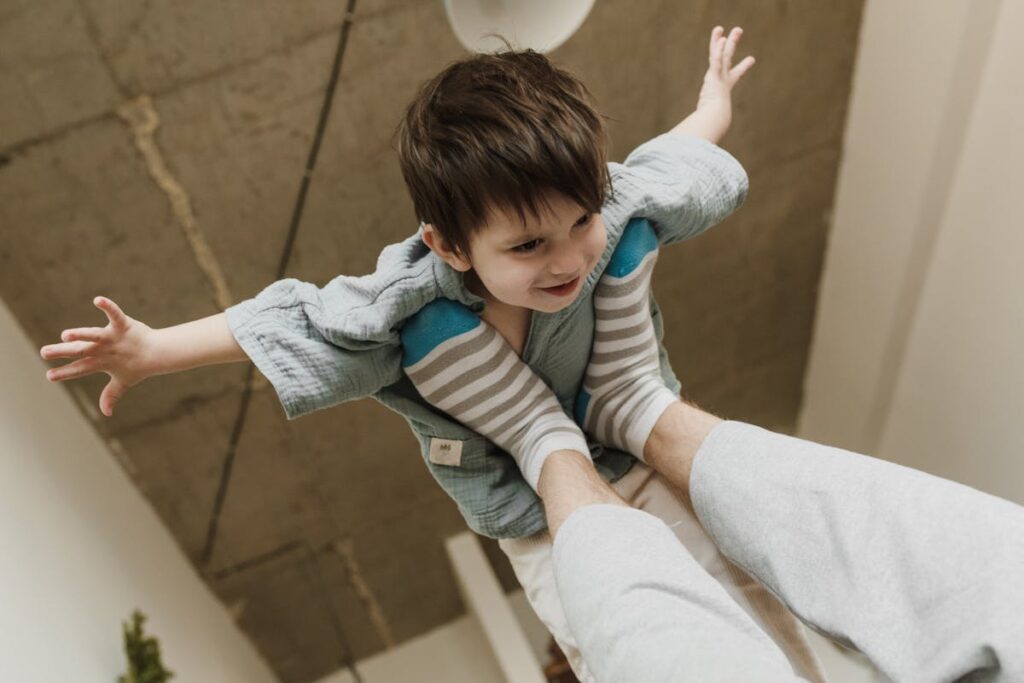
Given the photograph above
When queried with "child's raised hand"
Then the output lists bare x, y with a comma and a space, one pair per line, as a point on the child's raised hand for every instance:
121, 349
716, 93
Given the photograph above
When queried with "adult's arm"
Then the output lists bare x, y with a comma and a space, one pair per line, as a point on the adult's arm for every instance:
921, 574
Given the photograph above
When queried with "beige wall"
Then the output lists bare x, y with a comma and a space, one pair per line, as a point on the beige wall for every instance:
80, 548
917, 351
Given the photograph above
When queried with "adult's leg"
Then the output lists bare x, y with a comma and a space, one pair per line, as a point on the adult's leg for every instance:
644, 489
531, 557
920, 574
641, 608
647, 490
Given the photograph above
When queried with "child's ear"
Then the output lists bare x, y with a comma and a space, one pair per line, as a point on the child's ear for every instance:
440, 246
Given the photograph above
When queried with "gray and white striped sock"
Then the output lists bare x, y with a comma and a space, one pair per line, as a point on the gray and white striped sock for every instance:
463, 366
623, 392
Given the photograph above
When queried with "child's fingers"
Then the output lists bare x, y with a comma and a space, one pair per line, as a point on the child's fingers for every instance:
715, 48
79, 368
741, 68
93, 334
730, 47
112, 393
68, 350
117, 318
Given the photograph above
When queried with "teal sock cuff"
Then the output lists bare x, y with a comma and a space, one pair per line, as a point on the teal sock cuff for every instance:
638, 239
435, 323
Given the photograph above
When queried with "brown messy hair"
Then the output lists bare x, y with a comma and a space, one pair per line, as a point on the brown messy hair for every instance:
497, 132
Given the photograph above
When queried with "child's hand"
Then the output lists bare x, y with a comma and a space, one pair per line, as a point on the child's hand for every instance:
121, 349
716, 93
713, 115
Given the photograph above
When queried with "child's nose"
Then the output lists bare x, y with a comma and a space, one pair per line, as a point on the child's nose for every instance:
566, 261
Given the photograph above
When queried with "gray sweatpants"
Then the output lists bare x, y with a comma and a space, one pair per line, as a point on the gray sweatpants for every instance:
923, 575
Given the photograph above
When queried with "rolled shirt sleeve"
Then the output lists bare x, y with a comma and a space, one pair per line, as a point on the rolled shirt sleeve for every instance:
320, 346
683, 184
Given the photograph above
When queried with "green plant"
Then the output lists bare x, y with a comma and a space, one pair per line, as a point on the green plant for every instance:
144, 665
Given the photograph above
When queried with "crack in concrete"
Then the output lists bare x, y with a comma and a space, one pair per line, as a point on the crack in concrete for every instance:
93, 32
344, 549
309, 558
26, 144
143, 120
189, 405
325, 110
23, 145
131, 30
260, 559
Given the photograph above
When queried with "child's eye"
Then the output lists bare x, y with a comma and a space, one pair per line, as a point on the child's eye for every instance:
584, 219
526, 247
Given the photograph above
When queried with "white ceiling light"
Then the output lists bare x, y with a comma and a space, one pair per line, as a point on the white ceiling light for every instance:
541, 25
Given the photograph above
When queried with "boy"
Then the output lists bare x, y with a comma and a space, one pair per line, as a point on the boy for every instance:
484, 141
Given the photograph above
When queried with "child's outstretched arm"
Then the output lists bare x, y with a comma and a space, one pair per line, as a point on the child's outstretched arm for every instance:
713, 115
681, 180
130, 351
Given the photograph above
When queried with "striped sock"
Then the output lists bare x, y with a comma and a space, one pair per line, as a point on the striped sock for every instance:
623, 393
463, 366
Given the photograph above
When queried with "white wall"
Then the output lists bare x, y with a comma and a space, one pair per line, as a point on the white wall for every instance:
917, 350
80, 548
918, 353
958, 403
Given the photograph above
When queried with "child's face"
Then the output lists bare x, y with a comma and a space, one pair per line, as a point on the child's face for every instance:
540, 266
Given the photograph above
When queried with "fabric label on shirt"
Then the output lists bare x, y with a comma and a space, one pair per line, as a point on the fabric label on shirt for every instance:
446, 452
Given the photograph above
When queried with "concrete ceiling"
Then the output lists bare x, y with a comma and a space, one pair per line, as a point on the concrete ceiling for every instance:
323, 536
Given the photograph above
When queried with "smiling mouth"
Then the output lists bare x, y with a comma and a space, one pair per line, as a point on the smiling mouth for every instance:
562, 289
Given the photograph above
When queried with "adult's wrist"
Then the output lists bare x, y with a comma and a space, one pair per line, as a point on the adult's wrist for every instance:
675, 441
